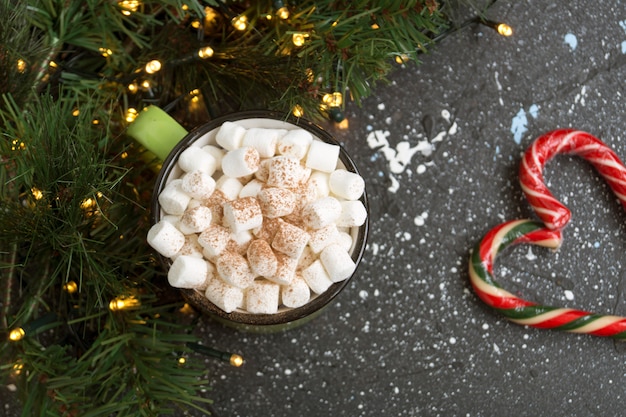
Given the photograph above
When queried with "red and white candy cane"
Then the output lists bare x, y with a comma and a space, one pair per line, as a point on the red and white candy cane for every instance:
555, 216
573, 142
526, 312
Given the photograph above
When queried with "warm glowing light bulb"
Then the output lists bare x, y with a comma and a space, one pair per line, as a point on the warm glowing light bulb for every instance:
343, 125
21, 65
70, 287
123, 303
75, 112
182, 360
17, 144
105, 52
17, 334
36, 193
53, 64
206, 52
236, 360
283, 13
88, 203
333, 100
298, 111
401, 59
310, 75
298, 39
186, 309
146, 84
210, 14
504, 29
129, 6
153, 66
133, 87
131, 115
240, 22
17, 368
195, 24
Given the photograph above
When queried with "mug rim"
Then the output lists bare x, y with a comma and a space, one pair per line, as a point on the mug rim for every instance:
197, 298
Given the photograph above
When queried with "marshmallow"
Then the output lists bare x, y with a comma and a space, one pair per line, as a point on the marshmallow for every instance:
285, 269
295, 294
261, 258
346, 184
321, 212
216, 204
198, 184
190, 248
251, 189
263, 140
241, 162
230, 135
353, 213
262, 297
214, 240
211, 274
322, 156
243, 214
194, 158
217, 153
284, 172
263, 172
307, 258
173, 199
316, 277
239, 242
165, 238
319, 181
187, 272
323, 237
276, 202
345, 241
223, 295
195, 220
231, 187
234, 270
268, 229
290, 240
305, 174
295, 143
337, 262
170, 218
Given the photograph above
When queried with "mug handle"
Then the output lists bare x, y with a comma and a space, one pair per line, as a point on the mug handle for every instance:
157, 131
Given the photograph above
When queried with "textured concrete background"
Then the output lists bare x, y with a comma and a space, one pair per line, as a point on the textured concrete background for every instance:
408, 337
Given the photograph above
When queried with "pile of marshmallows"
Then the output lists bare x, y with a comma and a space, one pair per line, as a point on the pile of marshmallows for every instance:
271, 231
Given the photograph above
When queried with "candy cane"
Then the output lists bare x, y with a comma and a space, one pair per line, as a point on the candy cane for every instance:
526, 312
566, 141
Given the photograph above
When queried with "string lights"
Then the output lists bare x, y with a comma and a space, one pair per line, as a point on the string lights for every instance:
70, 287
297, 110
240, 22
124, 303
206, 52
153, 66
500, 27
232, 358
129, 6
18, 333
